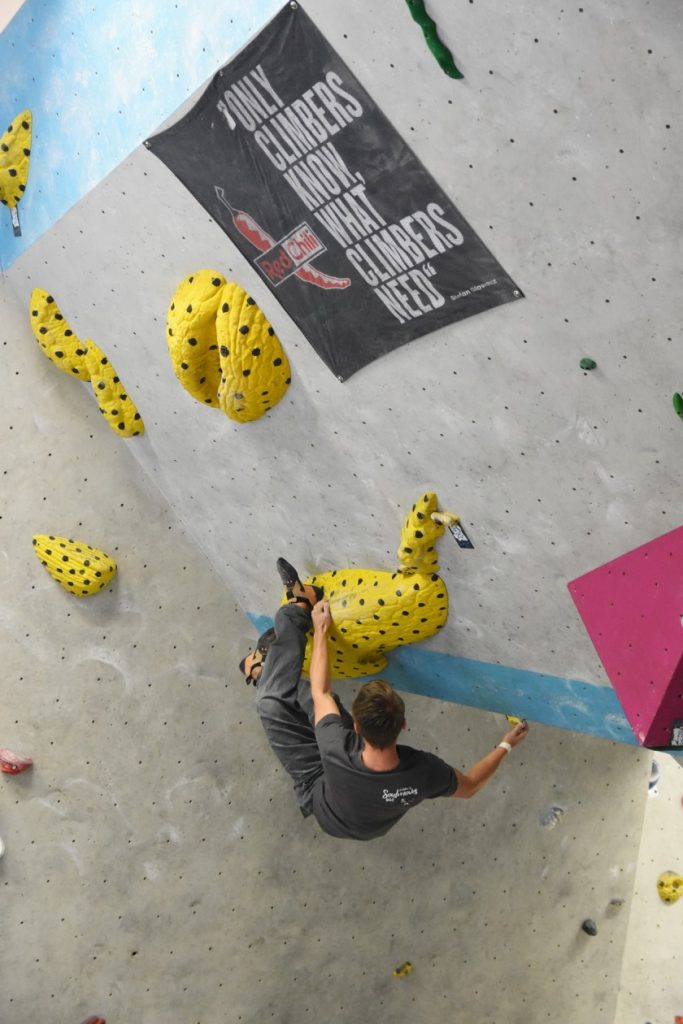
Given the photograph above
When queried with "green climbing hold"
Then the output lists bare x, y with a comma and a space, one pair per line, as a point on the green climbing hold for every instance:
443, 55
678, 404
587, 364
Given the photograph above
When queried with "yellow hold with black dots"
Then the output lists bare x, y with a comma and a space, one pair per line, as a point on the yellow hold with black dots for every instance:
255, 371
373, 610
80, 568
423, 526
86, 361
223, 349
670, 886
404, 970
15, 153
191, 334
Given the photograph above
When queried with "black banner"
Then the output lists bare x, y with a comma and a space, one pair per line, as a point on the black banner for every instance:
293, 159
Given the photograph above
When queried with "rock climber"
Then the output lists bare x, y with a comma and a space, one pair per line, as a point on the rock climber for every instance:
348, 769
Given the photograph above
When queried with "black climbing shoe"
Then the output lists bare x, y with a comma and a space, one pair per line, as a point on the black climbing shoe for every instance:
262, 647
294, 588
265, 640
288, 574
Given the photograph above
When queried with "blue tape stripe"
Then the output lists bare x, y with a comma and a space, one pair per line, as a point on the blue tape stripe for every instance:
550, 700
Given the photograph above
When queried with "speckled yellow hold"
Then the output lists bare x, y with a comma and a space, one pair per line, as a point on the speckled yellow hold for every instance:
255, 371
191, 334
15, 153
374, 611
224, 351
80, 568
670, 886
86, 361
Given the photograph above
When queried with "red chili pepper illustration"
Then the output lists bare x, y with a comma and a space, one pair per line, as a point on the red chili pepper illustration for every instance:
254, 233
313, 276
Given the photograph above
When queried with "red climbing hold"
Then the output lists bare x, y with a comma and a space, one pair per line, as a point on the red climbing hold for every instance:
14, 763
94, 1020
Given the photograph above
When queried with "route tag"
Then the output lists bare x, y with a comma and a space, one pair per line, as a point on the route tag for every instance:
677, 733
461, 537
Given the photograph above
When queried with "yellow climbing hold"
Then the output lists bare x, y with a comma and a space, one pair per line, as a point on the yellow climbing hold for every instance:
423, 526
224, 351
255, 371
403, 970
80, 568
84, 360
375, 610
670, 886
191, 334
15, 152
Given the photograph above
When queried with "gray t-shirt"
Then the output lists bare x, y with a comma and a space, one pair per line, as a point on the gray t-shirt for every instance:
351, 801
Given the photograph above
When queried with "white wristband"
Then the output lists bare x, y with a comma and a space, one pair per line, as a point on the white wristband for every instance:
505, 745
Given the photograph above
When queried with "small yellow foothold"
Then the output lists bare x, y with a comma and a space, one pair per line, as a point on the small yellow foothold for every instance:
670, 886
403, 970
513, 719
15, 151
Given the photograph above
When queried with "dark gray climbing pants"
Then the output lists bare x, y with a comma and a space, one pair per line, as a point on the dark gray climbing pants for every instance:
285, 705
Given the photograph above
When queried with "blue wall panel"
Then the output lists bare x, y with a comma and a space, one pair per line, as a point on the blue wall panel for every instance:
550, 700
99, 77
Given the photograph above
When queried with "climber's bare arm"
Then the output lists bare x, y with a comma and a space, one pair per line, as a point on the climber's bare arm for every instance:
480, 773
321, 688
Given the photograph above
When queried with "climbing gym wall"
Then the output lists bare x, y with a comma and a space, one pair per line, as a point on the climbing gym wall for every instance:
549, 146
553, 469
106, 77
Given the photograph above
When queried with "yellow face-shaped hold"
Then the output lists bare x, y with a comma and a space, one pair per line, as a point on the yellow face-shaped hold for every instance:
670, 886
80, 568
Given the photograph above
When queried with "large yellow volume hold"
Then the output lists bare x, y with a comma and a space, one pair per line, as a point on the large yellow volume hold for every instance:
80, 568
86, 361
374, 611
15, 153
255, 371
191, 334
224, 351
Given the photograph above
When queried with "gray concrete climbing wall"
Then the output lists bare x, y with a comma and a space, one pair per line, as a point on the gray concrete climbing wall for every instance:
562, 148
552, 470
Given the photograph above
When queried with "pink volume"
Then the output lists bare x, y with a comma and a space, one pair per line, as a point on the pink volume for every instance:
632, 608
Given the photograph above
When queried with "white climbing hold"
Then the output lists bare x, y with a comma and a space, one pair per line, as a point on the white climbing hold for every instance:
552, 816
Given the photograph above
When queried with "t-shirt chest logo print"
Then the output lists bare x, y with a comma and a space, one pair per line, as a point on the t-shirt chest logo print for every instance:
391, 796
